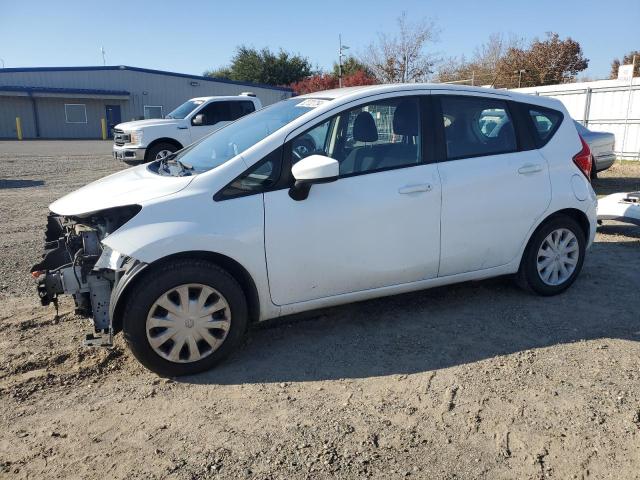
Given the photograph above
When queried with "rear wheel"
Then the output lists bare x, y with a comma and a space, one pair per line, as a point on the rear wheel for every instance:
185, 321
159, 151
554, 256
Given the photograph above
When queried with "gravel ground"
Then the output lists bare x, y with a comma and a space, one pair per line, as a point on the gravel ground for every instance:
478, 380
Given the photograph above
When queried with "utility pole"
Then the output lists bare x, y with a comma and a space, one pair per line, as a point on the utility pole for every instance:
104, 61
2, 60
340, 55
626, 118
520, 72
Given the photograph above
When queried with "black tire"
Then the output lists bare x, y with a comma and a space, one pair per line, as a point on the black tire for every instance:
152, 152
528, 277
160, 280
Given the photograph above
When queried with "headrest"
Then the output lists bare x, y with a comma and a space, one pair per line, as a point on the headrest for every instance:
364, 128
405, 118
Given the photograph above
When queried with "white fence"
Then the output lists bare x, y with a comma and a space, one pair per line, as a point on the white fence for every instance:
604, 105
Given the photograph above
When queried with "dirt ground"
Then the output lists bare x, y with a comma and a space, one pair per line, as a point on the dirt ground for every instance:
479, 380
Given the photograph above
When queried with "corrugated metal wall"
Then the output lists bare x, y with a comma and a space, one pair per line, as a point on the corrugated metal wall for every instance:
156, 89
603, 105
12, 107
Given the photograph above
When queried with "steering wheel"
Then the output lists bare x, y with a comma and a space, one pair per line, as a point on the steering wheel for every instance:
303, 146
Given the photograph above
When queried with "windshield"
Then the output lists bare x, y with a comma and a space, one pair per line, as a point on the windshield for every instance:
236, 137
185, 109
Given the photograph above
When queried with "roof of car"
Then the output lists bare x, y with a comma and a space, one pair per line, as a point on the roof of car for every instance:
373, 89
348, 93
224, 97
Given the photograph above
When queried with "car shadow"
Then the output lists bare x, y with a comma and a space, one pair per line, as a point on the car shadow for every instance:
437, 328
10, 183
609, 185
610, 227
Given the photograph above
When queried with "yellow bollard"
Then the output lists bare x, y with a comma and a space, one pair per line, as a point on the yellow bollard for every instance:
19, 128
103, 122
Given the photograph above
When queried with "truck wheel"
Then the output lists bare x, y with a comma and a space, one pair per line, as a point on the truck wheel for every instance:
554, 256
159, 151
185, 320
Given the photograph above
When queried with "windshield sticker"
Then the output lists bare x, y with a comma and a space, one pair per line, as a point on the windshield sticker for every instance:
312, 102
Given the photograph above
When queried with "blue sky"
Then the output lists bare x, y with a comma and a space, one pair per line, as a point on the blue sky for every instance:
191, 36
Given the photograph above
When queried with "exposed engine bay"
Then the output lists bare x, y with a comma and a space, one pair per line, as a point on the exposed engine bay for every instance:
75, 262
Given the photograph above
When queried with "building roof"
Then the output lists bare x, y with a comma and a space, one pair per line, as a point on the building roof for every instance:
143, 70
73, 91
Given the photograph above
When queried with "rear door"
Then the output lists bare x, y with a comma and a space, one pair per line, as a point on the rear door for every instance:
493, 190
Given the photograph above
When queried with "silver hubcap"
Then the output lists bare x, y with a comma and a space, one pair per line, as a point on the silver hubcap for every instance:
188, 323
163, 153
558, 256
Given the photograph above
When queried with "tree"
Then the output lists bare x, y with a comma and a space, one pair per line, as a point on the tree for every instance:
264, 66
315, 83
483, 66
350, 66
545, 62
403, 57
499, 61
327, 81
626, 60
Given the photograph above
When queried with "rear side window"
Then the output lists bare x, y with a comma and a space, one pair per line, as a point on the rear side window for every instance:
243, 108
545, 123
477, 126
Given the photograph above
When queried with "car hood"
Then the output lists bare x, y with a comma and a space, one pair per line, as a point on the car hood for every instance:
133, 186
152, 122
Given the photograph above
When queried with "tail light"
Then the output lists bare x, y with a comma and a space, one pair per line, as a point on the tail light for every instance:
583, 159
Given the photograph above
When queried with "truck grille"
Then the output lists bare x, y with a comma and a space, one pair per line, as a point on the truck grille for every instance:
120, 138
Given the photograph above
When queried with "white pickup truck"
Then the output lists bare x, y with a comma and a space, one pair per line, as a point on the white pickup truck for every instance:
148, 140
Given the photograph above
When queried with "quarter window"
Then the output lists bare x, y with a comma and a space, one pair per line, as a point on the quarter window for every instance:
545, 124
259, 178
75, 113
477, 126
373, 137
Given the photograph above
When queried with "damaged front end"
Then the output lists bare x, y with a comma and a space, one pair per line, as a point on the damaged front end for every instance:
77, 263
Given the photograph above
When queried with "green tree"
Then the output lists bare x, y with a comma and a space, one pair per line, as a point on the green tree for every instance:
264, 66
350, 66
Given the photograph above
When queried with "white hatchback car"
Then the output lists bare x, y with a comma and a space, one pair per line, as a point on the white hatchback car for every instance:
320, 200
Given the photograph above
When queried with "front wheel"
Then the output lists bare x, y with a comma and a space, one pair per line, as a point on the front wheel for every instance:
554, 256
159, 151
186, 319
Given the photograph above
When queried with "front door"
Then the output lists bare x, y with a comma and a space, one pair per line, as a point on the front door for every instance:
112, 115
377, 225
492, 193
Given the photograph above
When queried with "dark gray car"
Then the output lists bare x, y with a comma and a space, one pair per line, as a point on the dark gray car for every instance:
601, 145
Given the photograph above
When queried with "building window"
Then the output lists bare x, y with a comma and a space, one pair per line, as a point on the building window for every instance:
75, 112
153, 111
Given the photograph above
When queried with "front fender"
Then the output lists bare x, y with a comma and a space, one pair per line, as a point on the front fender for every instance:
234, 229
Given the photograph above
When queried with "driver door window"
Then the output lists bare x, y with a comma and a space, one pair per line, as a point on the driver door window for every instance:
373, 137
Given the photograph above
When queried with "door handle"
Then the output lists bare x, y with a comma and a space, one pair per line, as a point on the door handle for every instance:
530, 168
425, 187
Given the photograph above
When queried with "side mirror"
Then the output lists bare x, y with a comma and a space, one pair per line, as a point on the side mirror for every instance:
198, 120
310, 170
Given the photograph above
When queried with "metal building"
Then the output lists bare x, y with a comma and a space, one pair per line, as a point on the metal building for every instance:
70, 102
